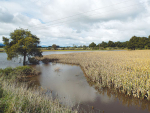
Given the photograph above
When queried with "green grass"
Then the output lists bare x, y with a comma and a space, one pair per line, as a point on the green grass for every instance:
18, 74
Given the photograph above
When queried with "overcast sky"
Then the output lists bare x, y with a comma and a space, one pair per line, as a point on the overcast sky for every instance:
79, 22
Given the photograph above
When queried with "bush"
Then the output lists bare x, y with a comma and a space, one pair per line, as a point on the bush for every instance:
33, 60
6, 71
102, 48
18, 73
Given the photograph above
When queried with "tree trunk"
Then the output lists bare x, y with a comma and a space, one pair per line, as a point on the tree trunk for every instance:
24, 60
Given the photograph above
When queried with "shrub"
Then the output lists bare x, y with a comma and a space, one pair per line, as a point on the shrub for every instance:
33, 60
18, 72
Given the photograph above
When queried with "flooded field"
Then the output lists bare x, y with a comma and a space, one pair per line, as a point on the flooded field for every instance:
68, 83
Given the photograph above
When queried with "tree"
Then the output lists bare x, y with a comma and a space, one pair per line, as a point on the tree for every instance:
22, 42
125, 44
84, 47
111, 44
148, 43
118, 44
54, 46
142, 42
133, 43
103, 44
92, 45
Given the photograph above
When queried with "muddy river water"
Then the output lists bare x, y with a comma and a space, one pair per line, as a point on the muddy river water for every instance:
68, 83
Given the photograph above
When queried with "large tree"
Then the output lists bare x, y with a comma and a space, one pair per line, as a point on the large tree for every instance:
22, 42
133, 43
103, 44
111, 44
92, 45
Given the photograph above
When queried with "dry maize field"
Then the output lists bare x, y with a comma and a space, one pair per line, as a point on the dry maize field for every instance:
128, 71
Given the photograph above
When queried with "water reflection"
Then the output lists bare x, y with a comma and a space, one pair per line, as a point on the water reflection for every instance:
61, 52
73, 89
19, 61
8, 63
67, 83
128, 104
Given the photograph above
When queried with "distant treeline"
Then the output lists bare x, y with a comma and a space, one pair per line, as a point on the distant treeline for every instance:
134, 43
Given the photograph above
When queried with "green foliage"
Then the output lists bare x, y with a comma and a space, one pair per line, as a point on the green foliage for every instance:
139, 43
124, 44
24, 70
134, 43
33, 60
17, 73
92, 45
96, 48
1, 92
21, 42
111, 44
6, 71
118, 44
84, 47
103, 44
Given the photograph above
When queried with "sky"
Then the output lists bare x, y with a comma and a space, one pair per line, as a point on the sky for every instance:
78, 22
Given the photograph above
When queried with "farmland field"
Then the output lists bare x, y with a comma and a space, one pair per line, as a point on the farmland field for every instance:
127, 71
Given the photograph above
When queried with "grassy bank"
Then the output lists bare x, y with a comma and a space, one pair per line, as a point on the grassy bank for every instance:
17, 97
127, 71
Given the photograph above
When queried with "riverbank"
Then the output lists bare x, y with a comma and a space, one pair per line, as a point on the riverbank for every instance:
19, 95
126, 71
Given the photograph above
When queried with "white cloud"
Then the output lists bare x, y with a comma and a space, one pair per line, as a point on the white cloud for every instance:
76, 22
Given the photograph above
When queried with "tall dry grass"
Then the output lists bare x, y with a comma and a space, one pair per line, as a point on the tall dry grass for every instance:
18, 98
123, 98
128, 71
17, 95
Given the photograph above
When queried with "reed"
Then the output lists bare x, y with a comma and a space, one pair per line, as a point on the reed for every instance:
19, 97
123, 98
127, 71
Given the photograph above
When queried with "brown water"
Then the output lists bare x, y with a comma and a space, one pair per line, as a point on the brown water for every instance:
73, 89
68, 83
